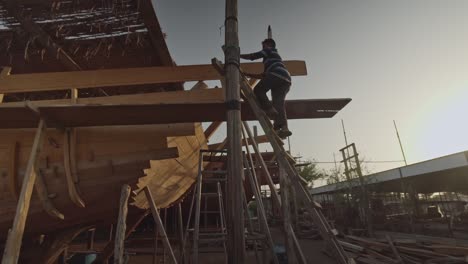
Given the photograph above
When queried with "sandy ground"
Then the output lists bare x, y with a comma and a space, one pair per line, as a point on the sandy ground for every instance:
312, 250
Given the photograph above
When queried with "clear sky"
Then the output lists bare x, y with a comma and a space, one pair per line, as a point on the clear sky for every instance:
403, 60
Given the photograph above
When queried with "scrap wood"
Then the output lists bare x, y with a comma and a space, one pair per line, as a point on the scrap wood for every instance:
449, 250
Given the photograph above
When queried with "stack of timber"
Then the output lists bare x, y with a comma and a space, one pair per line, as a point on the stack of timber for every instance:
404, 250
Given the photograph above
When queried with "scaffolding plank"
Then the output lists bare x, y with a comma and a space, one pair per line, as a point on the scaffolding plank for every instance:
34, 82
107, 115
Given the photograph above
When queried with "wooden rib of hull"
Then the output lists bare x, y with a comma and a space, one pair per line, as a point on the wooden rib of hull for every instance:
106, 158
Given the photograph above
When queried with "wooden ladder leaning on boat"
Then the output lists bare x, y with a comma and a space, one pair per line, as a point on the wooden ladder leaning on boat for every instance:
289, 176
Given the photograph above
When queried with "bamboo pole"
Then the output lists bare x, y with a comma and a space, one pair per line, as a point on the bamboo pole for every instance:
15, 235
236, 242
121, 225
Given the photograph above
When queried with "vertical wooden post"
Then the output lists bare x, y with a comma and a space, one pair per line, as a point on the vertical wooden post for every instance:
121, 225
15, 236
159, 224
236, 243
285, 187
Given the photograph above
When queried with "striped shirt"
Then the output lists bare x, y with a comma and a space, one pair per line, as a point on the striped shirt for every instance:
273, 64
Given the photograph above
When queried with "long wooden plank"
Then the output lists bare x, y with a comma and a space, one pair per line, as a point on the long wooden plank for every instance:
93, 115
15, 236
123, 77
177, 97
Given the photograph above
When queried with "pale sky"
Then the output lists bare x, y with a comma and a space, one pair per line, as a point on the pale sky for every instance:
403, 60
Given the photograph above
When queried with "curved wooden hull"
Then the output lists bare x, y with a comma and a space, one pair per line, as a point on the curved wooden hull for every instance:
83, 171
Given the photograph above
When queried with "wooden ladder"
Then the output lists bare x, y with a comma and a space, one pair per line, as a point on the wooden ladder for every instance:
285, 163
220, 235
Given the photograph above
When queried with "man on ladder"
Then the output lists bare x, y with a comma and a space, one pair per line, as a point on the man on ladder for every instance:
275, 78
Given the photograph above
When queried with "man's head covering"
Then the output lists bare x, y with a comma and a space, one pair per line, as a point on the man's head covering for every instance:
269, 42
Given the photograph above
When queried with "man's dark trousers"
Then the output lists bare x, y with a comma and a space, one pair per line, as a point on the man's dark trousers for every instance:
279, 88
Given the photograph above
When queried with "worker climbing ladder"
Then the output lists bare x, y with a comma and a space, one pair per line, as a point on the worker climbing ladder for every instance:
287, 165
284, 161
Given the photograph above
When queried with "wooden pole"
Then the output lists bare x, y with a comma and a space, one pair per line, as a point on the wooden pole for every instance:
262, 217
285, 187
121, 225
236, 242
15, 236
181, 232
159, 224
399, 141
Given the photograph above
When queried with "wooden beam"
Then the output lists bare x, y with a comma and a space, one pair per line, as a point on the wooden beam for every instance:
178, 97
15, 236
121, 225
107, 115
211, 129
124, 77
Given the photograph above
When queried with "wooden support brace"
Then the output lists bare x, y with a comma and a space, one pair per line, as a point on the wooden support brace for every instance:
211, 129
41, 191
121, 225
72, 188
159, 224
15, 236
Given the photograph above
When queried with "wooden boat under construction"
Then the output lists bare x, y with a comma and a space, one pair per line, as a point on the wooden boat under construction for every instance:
115, 109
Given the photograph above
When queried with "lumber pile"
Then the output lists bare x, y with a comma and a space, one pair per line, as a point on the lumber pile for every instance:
412, 251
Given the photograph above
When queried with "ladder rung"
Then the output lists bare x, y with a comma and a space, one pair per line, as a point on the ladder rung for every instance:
210, 194
212, 151
214, 179
211, 239
211, 233
222, 172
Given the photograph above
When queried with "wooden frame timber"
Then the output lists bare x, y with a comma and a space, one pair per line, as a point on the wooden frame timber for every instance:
15, 236
15, 83
71, 184
41, 190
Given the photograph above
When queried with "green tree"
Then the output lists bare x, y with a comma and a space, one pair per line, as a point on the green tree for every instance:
310, 172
